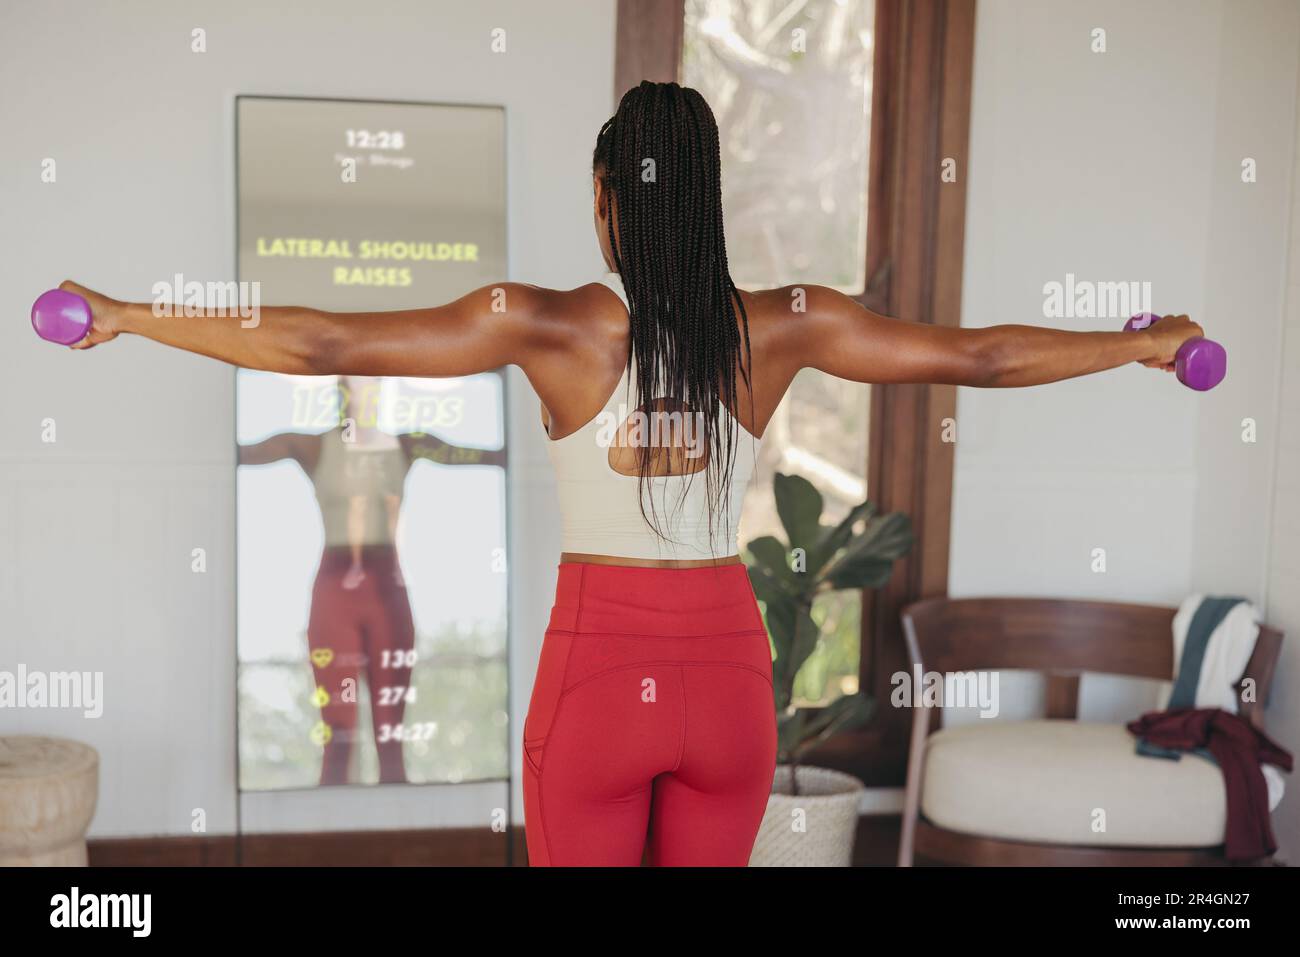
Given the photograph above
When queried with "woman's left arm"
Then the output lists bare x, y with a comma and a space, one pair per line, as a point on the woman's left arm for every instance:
838, 336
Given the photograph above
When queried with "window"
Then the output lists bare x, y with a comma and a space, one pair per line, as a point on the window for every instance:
790, 86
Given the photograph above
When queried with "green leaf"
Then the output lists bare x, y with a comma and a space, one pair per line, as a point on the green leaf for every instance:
833, 539
767, 588
773, 556
799, 505
863, 571
804, 638
781, 626
886, 536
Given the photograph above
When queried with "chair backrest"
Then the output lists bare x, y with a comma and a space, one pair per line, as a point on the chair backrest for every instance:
1063, 638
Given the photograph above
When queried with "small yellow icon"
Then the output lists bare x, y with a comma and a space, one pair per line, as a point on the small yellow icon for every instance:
321, 697
321, 657
321, 733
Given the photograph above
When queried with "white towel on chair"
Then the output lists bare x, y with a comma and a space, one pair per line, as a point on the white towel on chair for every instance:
1226, 656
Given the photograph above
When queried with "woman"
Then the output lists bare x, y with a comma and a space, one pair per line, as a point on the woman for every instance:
651, 717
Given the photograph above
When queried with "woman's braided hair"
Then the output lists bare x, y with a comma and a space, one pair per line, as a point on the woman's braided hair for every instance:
660, 160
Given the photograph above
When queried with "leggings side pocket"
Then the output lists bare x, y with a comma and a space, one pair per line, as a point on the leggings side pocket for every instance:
548, 687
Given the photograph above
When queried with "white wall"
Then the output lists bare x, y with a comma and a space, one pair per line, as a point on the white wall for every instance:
96, 530
1116, 166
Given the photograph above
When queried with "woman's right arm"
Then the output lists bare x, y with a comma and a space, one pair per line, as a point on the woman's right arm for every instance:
494, 326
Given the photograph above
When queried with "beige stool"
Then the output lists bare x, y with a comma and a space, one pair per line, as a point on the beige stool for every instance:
48, 789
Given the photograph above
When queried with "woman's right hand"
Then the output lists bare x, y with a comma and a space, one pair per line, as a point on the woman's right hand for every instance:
105, 315
1168, 333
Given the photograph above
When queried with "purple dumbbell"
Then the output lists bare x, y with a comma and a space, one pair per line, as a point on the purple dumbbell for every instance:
1200, 363
62, 317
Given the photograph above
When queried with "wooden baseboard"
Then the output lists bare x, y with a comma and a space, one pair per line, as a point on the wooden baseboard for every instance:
449, 847
877, 845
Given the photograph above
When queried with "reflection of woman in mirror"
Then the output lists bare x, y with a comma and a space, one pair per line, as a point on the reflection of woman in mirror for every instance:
360, 620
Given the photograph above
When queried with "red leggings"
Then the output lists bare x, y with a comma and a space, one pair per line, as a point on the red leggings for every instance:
363, 631
651, 719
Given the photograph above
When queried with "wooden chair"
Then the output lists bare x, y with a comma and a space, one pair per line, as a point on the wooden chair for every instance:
1061, 639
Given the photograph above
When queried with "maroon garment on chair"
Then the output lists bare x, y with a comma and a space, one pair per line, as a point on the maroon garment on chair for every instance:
1239, 748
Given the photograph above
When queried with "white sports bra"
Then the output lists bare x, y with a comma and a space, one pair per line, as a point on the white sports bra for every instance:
599, 511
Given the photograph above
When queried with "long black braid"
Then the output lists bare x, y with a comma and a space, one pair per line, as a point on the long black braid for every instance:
672, 257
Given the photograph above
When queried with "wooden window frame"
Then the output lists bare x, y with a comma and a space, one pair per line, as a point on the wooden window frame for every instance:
924, 51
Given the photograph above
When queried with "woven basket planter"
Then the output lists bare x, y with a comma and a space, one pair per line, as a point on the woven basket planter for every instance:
48, 791
816, 828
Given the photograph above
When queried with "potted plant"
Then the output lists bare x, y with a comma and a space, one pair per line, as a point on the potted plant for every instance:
812, 813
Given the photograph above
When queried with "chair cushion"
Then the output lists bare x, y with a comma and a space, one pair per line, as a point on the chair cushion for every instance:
1045, 781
